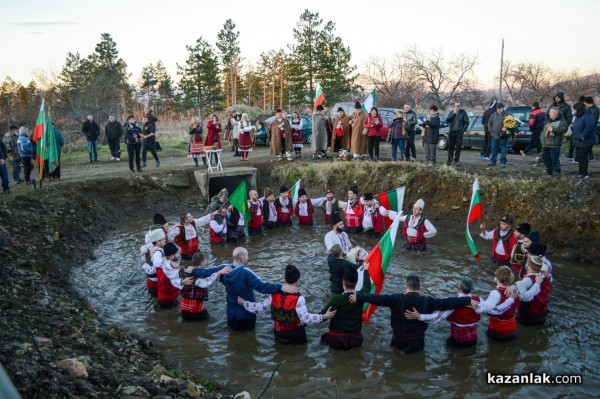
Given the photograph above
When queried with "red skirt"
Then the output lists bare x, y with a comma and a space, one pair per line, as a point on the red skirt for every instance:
191, 305
245, 141
502, 326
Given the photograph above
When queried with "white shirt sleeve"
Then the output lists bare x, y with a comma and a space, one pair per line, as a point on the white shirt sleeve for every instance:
318, 201
172, 232
305, 317
173, 275
329, 241
488, 235
342, 204
218, 228
492, 300
157, 259
499, 309
436, 316
431, 231
149, 269
203, 221
528, 295
206, 282
258, 307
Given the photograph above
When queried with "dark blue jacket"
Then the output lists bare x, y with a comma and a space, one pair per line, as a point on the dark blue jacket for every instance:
584, 130
242, 282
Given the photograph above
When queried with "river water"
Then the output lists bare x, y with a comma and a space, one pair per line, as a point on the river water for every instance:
115, 284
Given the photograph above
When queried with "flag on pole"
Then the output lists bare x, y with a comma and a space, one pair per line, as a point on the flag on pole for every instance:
475, 211
369, 102
392, 201
51, 154
38, 133
239, 200
293, 192
379, 260
319, 96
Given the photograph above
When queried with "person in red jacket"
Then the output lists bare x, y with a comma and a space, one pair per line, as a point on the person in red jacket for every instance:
374, 123
288, 311
213, 133
503, 240
186, 235
533, 291
285, 208
218, 227
169, 281
304, 208
463, 321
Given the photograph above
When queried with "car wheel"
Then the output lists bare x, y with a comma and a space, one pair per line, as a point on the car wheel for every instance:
309, 139
443, 143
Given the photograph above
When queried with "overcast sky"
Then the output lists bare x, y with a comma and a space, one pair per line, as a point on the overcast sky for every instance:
562, 34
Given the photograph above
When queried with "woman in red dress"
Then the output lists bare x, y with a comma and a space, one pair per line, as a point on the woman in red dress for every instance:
196, 146
213, 135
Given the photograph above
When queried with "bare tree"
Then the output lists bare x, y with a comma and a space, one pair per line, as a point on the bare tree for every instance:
444, 78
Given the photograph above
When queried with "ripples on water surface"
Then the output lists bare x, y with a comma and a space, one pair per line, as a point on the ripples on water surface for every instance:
115, 284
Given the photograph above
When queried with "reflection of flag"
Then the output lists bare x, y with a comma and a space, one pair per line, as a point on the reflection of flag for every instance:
319, 96
293, 192
475, 211
51, 153
393, 201
38, 134
369, 102
239, 200
379, 260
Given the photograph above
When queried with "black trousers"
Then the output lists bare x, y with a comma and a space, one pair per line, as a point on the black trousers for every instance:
115, 147
583, 154
486, 150
338, 143
373, 146
149, 146
454, 146
134, 149
27, 167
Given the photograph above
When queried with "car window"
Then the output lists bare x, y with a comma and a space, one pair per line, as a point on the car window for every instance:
478, 124
523, 116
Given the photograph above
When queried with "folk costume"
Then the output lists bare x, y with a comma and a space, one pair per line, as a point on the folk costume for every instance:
319, 134
196, 146
305, 210
358, 142
213, 137
169, 282
337, 267
245, 138
193, 296
500, 308
236, 228
502, 244
150, 261
297, 136
330, 207
285, 208
345, 328
187, 236
218, 230
517, 255
281, 138
353, 211
270, 214
256, 217
534, 297
335, 237
416, 229
463, 323
342, 133
372, 218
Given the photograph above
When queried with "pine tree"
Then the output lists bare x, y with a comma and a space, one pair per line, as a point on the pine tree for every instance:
200, 77
229, 48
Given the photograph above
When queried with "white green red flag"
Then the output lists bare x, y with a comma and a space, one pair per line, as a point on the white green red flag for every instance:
319, 96
239, 200
38, 133
293, 192
475, 212
369, 102
392, 201
379, 260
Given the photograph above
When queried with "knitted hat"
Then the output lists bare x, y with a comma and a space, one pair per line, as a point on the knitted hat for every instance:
13, 127
499, 105
350, 275
292, 274
159, 219
504, 275
419, 204
335, 219
507, 218
283, 189
524, 228
538, 249
368, 196
534, 236
319, 107
340, 109
170, 249
301, 192
357, 105
156, 235
535, 262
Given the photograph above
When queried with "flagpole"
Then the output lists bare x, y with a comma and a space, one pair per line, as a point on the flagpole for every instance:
44, 145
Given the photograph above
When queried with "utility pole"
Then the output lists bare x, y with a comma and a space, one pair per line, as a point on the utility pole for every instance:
231, 83
501, 65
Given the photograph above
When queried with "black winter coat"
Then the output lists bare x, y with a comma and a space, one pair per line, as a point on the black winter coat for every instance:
459, 122
431, 134
113, 130
91, 130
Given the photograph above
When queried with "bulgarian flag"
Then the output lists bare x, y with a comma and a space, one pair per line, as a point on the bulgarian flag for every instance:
475, 211
239, 200
379, 260
38, 133
369, 102
392, 201
319, 96
51, 153
293, 192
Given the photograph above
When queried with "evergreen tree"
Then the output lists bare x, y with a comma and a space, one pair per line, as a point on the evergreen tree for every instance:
200, 77
304, 55
229, 48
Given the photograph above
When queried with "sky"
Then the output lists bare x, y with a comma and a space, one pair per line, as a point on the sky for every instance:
564, 35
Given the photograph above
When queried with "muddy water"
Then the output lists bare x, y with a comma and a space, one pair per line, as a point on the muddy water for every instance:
114, 283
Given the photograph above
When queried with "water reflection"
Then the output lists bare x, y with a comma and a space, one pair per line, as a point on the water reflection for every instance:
245, 361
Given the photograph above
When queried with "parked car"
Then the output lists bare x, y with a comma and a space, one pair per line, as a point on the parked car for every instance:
520, 112
475, 135
264, 126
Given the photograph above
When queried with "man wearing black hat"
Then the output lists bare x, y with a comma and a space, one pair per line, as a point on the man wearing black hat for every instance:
285, 207
304, 208
373, 216
498, 136
517, 254
409, 335
353, 211
319, 134
358, 142
345, 328
169, 281
10, 140
337, 235
342, 132
503, 240
288, 311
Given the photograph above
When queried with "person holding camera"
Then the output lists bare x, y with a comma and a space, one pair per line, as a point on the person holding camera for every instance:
133, 139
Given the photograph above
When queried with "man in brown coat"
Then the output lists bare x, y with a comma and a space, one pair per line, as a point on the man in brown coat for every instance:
342, 131
281, 137
358, 143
